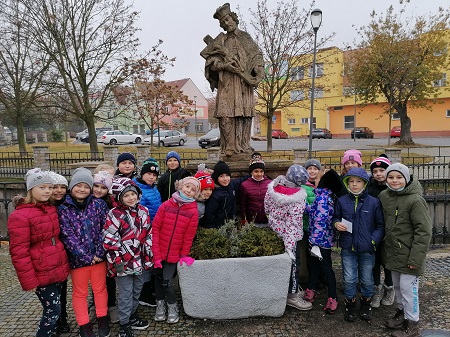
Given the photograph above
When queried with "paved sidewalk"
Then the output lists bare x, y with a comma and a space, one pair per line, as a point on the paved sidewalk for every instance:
20, 311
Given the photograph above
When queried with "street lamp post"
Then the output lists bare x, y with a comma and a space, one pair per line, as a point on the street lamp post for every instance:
316, 21
195, 117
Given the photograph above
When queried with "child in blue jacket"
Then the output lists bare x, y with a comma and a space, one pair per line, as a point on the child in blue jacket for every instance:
359, 219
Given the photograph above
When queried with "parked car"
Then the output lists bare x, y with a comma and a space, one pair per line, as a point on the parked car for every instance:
321, 133
395, 131
280, 134
167, 138
361, 132
118, 137
83, 136
210, 139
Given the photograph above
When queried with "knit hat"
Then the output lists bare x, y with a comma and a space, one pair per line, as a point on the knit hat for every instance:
205, 180
81, 175
121, 185
189, 180
220, 168
173, 154
297, 174
126, 156
381, 161
36, 177
313, 162
352, 154
256, 162
58, 179
150, 166
330, 180
400, 168
104, 178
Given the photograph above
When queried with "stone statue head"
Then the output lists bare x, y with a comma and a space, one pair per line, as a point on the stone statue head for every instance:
226, 17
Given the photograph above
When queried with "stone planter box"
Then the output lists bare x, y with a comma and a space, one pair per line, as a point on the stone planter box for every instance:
236, 287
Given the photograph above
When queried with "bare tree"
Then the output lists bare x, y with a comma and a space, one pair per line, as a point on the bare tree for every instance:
88, 42
401, 61
285, 37
22, 69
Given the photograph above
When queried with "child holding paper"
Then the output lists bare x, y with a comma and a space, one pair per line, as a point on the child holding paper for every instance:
359, 219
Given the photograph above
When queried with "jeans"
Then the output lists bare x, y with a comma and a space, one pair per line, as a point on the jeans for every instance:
357, 267
49, 296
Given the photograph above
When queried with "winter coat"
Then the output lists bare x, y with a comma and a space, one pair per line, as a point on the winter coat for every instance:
285, 206
321, 230
366, 215
173, 230
81, 230
408, 229
151, 198
128, 240
310, 196
166, 182
37, 254
221, 205
251, 200
375, 188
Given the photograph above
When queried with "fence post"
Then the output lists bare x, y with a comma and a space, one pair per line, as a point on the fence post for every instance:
300, 156
143, 153
110, 154
394, 155
41, 157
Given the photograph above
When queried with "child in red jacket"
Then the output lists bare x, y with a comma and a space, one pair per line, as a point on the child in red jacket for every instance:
37, 254
174, 228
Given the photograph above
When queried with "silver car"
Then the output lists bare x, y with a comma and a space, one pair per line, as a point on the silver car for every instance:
167, 138
118, 136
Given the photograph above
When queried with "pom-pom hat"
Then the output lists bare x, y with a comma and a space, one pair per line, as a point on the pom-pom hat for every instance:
381, 161
205, 180
354, 155
256, 162
36, 177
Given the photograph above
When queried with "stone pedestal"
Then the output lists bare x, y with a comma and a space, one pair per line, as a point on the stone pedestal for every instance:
394, 155
90, 165
41, 157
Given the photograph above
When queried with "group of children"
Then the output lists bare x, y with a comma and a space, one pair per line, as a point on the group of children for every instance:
125, 231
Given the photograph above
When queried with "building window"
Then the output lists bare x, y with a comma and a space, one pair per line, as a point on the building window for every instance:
199, 126
319, 70
291, 121
318, 93
441, 82
395, 116
448, 113
297, 73
336, 108
306, 121
349, 122
297, 95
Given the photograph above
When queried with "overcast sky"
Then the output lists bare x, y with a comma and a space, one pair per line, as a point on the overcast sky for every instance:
182, 24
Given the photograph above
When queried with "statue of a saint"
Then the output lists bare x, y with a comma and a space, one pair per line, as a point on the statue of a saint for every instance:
234, 66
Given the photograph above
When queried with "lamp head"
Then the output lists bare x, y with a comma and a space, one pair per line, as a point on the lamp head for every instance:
316, 19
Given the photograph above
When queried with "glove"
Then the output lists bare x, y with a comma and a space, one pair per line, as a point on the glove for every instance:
157, 264
187, 259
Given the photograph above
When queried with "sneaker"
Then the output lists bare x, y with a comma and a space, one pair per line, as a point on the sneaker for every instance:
126, 331
389, 295
331, 306
172, 313
310, 295
87, 330
298, 303
103, 327
378, 292
300, 292
160, 314
113, 314
396, 322
137, 323
148, 302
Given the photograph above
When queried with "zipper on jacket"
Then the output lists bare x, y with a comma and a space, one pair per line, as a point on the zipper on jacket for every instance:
173, 232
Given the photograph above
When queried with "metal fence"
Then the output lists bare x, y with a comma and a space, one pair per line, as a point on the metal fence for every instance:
13, 164
60, 161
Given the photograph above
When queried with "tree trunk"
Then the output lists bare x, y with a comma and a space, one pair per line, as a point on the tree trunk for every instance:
93, 145
269, 130
405, 122
21, 134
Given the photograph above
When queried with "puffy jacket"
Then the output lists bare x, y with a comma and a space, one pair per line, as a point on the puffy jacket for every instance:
166, 182
251, 200
173, 230
310, 196
81, 230
408, 229
321, 230
128, 240
151, 198
366, 215
37, 253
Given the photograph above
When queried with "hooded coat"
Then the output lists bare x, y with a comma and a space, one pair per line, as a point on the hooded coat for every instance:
408, 229
251, 200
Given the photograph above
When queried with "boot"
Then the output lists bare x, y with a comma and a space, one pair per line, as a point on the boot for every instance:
62, 324
125, 330
389, 295
378, 293
365, 310
396, 322
409, 329
172, 313
87, 330
103, 326
350, 309
160, 314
